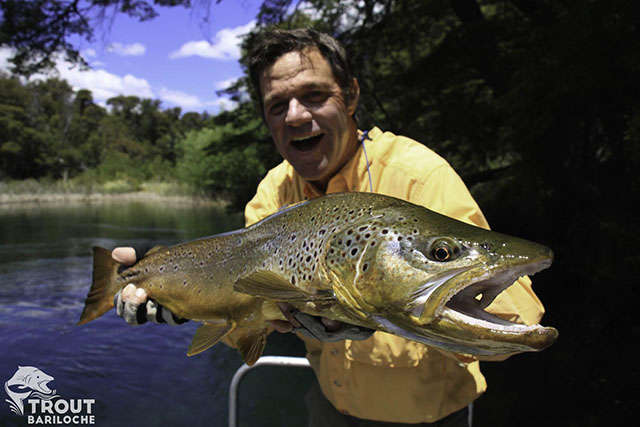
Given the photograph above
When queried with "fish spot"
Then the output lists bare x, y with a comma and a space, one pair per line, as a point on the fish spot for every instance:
373, 243
293, 237
385, 231
308, 258
349, 232
175, 267
361, 229
354, 251
293, 279
161, 269
184, 282
399, 238
348, 242
367, 235
365, 266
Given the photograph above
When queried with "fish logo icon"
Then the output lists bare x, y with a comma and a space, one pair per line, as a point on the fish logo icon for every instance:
27, 382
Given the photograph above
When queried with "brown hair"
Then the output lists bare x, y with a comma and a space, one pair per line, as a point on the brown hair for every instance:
272, 44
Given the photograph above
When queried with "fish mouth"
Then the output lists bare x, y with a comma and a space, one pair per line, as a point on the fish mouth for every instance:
43, 386
451, 310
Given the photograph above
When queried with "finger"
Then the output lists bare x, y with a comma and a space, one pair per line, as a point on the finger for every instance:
312, 324
152, 310
281, 326
330, 324
289, 312
134, 307
118, 303
124, 255
356, 333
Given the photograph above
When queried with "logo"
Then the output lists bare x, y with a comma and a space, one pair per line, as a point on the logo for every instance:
29, 395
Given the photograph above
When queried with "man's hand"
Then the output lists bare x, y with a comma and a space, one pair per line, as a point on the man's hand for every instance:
133, 304
320, 328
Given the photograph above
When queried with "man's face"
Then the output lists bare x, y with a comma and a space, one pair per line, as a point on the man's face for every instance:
306, 113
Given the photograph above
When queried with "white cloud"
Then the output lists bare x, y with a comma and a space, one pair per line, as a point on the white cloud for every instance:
89, 53
133, 49
102, 84
181, 99
225, 104
5, 54
221, 85
190, 102
226, 46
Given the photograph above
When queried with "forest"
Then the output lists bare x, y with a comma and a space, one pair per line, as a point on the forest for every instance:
535, 103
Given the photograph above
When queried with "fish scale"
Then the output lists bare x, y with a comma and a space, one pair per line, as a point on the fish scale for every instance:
359, 258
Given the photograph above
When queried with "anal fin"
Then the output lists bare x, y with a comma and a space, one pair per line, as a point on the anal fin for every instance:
251, 345
208, 335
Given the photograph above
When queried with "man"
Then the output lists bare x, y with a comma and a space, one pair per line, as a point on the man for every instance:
308, 100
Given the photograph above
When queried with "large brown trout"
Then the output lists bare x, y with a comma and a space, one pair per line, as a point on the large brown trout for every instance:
360, 258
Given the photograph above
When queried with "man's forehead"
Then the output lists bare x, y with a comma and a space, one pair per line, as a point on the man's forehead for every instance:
299, 65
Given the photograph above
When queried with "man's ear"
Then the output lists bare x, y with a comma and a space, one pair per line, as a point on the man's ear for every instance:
354, 96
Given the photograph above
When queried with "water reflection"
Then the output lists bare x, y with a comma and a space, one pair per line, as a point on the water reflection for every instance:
137, 375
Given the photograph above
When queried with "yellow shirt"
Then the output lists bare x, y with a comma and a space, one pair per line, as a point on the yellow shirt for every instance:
388, 378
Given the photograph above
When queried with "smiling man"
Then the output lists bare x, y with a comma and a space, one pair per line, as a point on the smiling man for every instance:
308, 116
308, 99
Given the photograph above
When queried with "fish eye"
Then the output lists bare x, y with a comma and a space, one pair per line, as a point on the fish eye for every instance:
443, 250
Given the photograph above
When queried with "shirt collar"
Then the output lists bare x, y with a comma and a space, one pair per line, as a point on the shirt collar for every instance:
344, 180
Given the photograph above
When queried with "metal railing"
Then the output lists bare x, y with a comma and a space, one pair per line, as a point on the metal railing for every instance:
296, 362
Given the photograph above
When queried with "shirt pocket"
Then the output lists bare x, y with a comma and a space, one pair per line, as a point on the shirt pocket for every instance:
384, 349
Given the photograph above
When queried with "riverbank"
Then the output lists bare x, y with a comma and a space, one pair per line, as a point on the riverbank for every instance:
34, 192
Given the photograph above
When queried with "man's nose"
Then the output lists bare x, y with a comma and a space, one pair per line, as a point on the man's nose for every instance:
297, 113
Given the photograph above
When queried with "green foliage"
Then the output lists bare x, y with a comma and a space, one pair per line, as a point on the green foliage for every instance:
226, 160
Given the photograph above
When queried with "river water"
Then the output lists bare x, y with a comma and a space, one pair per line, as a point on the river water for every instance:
136, 375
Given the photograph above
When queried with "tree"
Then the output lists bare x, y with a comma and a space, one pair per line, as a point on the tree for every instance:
38, 30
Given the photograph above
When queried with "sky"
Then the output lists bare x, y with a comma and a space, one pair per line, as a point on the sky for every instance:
173, 57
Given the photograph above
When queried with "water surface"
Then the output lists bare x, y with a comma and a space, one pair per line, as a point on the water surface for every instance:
137, 375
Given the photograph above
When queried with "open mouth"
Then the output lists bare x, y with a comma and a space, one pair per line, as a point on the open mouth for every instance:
453, 306
467, 306
308, 143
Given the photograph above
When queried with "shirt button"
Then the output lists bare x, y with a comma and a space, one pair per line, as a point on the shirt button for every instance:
337, 383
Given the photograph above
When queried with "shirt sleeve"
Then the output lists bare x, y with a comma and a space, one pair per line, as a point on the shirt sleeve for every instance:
265, 202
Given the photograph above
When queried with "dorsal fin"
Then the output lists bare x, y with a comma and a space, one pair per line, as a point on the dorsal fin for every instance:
208, 335
273, 286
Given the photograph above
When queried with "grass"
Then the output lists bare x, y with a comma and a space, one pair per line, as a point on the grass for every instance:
49, 190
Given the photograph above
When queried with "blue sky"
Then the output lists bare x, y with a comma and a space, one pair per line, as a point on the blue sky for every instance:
174, 57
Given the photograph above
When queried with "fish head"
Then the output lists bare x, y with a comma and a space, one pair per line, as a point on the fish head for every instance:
428, 277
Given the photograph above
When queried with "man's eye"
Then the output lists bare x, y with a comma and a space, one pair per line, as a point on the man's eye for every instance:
316, 97
277, 108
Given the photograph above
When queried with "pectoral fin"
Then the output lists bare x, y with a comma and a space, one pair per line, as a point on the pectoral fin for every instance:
251, 345
208, 335
270, 285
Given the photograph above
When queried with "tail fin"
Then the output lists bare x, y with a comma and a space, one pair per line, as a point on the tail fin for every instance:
104, 286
